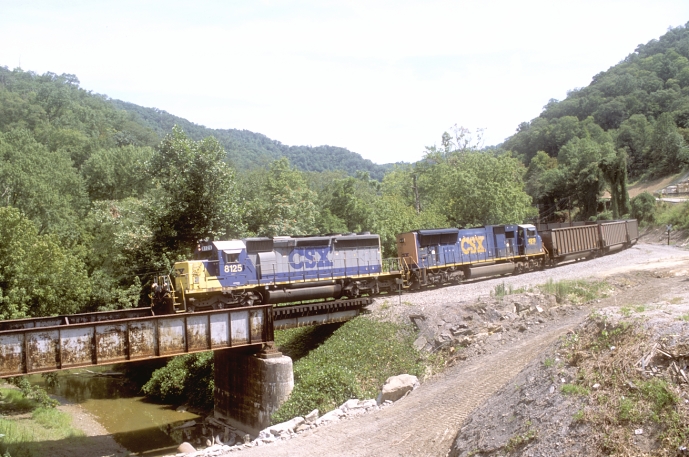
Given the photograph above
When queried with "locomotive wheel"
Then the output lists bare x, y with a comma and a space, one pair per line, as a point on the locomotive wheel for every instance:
250, 299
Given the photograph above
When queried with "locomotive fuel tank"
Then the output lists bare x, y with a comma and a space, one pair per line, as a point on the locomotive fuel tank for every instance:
489, 270
286, 295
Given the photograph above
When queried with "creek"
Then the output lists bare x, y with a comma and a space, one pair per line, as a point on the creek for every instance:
142, 427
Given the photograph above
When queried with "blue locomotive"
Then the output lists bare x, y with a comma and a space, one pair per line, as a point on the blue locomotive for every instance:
444, 255
272, 270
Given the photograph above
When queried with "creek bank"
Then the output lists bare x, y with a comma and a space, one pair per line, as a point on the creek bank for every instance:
232, 440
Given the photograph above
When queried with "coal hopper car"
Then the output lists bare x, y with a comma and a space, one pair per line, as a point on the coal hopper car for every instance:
585, 240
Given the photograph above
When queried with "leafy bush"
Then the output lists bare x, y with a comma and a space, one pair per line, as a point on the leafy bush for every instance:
187, 378
677, 215
643, 207
34, 393
353, 363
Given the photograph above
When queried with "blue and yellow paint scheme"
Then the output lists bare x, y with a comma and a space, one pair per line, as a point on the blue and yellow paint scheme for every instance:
276, 270
441, 255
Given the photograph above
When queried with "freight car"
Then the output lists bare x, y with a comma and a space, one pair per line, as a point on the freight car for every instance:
287, 269
582, 240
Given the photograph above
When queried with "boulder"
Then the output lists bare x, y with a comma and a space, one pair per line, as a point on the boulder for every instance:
185, 448
420, 343
396, 387
350, 404
288, 426
312, 416
370, 403
333, 415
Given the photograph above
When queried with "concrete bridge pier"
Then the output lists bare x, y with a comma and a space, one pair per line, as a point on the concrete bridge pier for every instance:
251, 386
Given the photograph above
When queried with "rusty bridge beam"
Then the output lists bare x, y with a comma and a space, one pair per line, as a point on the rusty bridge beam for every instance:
49, 344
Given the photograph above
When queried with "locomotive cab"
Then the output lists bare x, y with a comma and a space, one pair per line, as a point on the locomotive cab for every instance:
217, 266
528, 240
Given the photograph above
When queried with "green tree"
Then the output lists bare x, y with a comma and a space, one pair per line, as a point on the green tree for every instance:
195, 193
667, 151
643, 207
541, 177
41, 183
478, 188
614, 166
394, 216
584, 179
634, 136
350, 201
38, 277
118, 173
282, 202
118, 237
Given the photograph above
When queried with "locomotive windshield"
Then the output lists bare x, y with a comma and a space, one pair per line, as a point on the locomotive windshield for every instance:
205, 251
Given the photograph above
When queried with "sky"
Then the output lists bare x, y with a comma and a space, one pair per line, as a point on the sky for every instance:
384, 79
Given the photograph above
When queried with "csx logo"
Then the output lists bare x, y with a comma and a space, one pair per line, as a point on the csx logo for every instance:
532, 241
310, 258
473, 244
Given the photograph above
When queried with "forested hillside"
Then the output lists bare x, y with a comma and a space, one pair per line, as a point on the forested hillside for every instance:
94, 201
97, 196
633, 117
246, 150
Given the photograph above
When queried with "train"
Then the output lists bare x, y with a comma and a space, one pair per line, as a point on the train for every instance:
285, 269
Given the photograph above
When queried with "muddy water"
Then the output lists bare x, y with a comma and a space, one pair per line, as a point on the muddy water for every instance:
143, 428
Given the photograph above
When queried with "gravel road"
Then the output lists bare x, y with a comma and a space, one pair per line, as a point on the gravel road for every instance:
426, 422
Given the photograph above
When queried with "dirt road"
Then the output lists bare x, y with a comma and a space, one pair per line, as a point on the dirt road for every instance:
426, 422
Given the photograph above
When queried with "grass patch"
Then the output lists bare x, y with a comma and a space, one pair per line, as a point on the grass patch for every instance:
578, 416
684, 317
28, 435
574, 389
624, 400
500, 290
548, 362
353, 362
626, 311
576, 291
677, 215
627, 411
13, 402
298, 342
519, 440
640, 309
